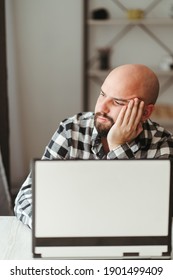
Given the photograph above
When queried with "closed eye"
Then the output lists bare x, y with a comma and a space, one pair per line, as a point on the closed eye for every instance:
115, 101
119, 102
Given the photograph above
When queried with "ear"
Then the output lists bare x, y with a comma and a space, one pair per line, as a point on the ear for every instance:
148, 109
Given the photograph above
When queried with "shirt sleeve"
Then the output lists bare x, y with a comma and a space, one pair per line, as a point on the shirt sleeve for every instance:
121, 152
56, 149
165, 149
23, 203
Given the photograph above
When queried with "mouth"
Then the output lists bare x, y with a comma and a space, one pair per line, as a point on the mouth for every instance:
103, 118
103, 123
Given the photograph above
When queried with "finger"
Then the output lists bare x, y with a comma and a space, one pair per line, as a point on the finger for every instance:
133, 118
121, 115
139, 114
130, 112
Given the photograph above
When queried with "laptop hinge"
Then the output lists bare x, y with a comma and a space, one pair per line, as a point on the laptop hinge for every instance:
131, 254
35, 255
165, 254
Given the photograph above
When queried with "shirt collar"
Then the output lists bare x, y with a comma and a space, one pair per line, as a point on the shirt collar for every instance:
95, 138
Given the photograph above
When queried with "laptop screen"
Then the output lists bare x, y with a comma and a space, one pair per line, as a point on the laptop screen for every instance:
102, 205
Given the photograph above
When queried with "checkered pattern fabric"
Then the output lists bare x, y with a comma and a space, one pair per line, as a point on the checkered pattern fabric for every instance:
77, 138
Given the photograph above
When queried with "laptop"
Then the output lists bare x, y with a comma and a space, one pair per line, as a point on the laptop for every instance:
102, 209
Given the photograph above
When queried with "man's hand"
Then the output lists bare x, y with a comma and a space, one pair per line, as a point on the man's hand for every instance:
128, 124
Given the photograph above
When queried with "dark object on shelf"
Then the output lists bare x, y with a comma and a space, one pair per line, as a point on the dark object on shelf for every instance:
100, 14
104, 57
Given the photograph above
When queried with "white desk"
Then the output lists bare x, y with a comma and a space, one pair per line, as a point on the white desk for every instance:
16, 239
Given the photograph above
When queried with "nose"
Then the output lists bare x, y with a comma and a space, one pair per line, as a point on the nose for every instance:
105, 105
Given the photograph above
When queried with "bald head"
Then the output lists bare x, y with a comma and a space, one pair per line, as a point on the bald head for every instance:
133, 80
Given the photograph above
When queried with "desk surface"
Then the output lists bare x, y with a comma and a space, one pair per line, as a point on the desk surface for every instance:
16, 239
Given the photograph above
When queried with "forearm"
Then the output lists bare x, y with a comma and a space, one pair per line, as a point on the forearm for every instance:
121, 152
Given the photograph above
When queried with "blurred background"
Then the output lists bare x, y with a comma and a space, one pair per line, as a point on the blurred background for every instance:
44, 43
54, 57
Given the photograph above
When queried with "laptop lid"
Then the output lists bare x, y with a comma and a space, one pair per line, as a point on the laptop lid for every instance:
101, 209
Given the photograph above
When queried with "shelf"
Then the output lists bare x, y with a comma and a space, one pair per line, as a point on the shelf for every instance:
104, 73
125, 21
163, 114
157, 29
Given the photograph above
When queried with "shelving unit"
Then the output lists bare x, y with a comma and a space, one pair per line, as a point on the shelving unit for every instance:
121, 27
124, 21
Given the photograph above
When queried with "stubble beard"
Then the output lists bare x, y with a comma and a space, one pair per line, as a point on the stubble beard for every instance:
103, 128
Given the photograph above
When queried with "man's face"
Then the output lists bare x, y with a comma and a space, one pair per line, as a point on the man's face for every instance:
106, 112
120, 86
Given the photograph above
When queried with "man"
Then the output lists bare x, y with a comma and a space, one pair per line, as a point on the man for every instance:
120, 128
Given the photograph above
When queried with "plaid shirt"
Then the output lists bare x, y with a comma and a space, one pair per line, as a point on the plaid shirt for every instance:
77, 138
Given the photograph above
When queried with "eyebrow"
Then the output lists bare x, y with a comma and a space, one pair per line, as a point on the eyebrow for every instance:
118, 99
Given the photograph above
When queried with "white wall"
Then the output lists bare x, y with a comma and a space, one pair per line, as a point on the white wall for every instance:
44, 49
